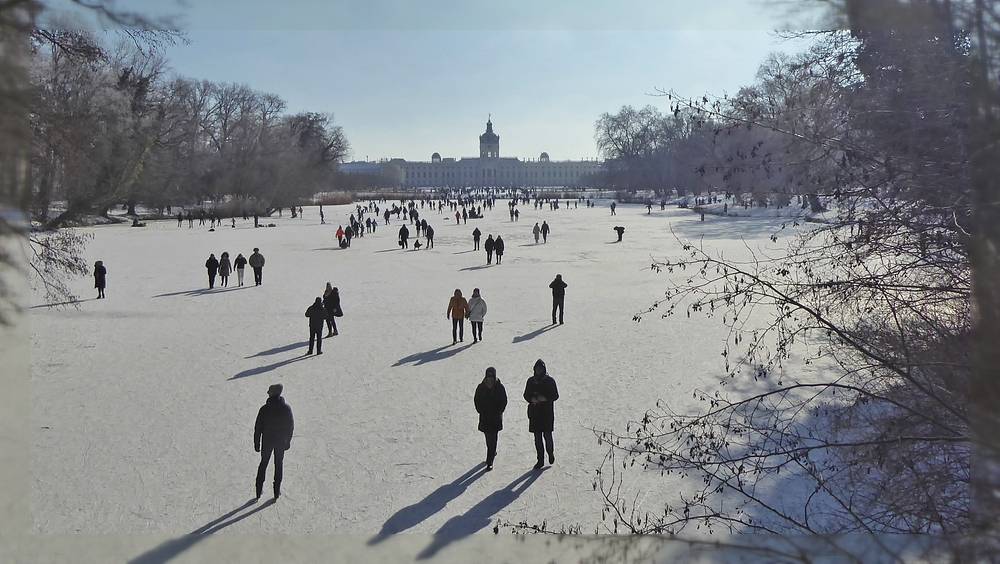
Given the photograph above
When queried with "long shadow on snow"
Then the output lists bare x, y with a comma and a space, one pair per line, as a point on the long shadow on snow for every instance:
277, 350
533, 334
173, 548
432, 355
413, 515
479, 516
480, 267
202, 291
70, 302
268, 368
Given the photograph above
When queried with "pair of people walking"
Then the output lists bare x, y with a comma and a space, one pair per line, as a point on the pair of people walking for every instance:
460, 309
540, 391
493, 245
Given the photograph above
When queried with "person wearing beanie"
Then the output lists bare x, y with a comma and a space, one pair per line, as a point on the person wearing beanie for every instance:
256, 262
540, 392
272, 433
490, 400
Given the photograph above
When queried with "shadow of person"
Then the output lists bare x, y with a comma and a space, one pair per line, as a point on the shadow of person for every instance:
432, 355
277, 350
415, 514
172, 548
479, 516
533, 334
269, 367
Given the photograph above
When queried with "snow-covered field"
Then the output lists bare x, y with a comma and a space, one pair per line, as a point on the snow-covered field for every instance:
143, 404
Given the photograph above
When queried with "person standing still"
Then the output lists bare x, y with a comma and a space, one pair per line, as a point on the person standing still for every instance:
491, 401
558, 297
458, 310
241, 265
477, 311
331, 301
212, 264
476, 234
272, 433
257, 264
540, 392
100, 278
317, 319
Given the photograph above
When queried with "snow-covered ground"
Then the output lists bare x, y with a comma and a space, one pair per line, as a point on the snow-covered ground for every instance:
143, 404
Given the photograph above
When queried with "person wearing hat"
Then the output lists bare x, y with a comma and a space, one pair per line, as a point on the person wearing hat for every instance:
540, 391
272, 433
558, 297
256, 262
490, 400
100, 278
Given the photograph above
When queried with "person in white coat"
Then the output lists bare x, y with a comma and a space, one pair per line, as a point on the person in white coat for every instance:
477, 311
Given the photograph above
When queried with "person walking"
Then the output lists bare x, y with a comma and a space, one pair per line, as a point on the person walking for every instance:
241, 264
613, 205
404, 234
476, 234
458, 310
536, 231
558, 297
257, 264
488, 245
100, 278
498, 248
272, 434
491, 401
477, 311
317, 318
212, 264
429, 233
225, 267
540, 392
331, 301
545, 232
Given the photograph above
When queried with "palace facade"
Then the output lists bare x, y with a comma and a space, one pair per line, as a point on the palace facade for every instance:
489, 169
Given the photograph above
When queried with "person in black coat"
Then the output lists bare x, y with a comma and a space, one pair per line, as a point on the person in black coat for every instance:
212, 264
476, 234
498, 248
272, 433
558, 297
317, 319
540, 392
331, 301
488, 245
100, 278
404, 234
491, 400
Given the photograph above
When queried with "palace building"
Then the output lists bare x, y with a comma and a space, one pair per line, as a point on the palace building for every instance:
489, 169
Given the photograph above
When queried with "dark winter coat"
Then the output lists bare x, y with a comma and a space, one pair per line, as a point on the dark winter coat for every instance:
212, 264
331, 301
488, 245
241, 263
476, 234
541, 416
498, 246
225, 267
490, 404
317, 316
256, 260
100, 277
274, 425
558, 288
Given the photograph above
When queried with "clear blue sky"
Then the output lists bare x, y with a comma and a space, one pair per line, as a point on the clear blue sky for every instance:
406, 79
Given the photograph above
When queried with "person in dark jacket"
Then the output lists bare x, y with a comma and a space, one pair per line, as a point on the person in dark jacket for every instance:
272, 433
240, 264
212, 264
100, 278
540, 392
558, 297
491, 400
225, 267
476, 234
404, 234
545, 232
331, 301
488, 245
256, 262
621, 231
317, 318
498, 248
